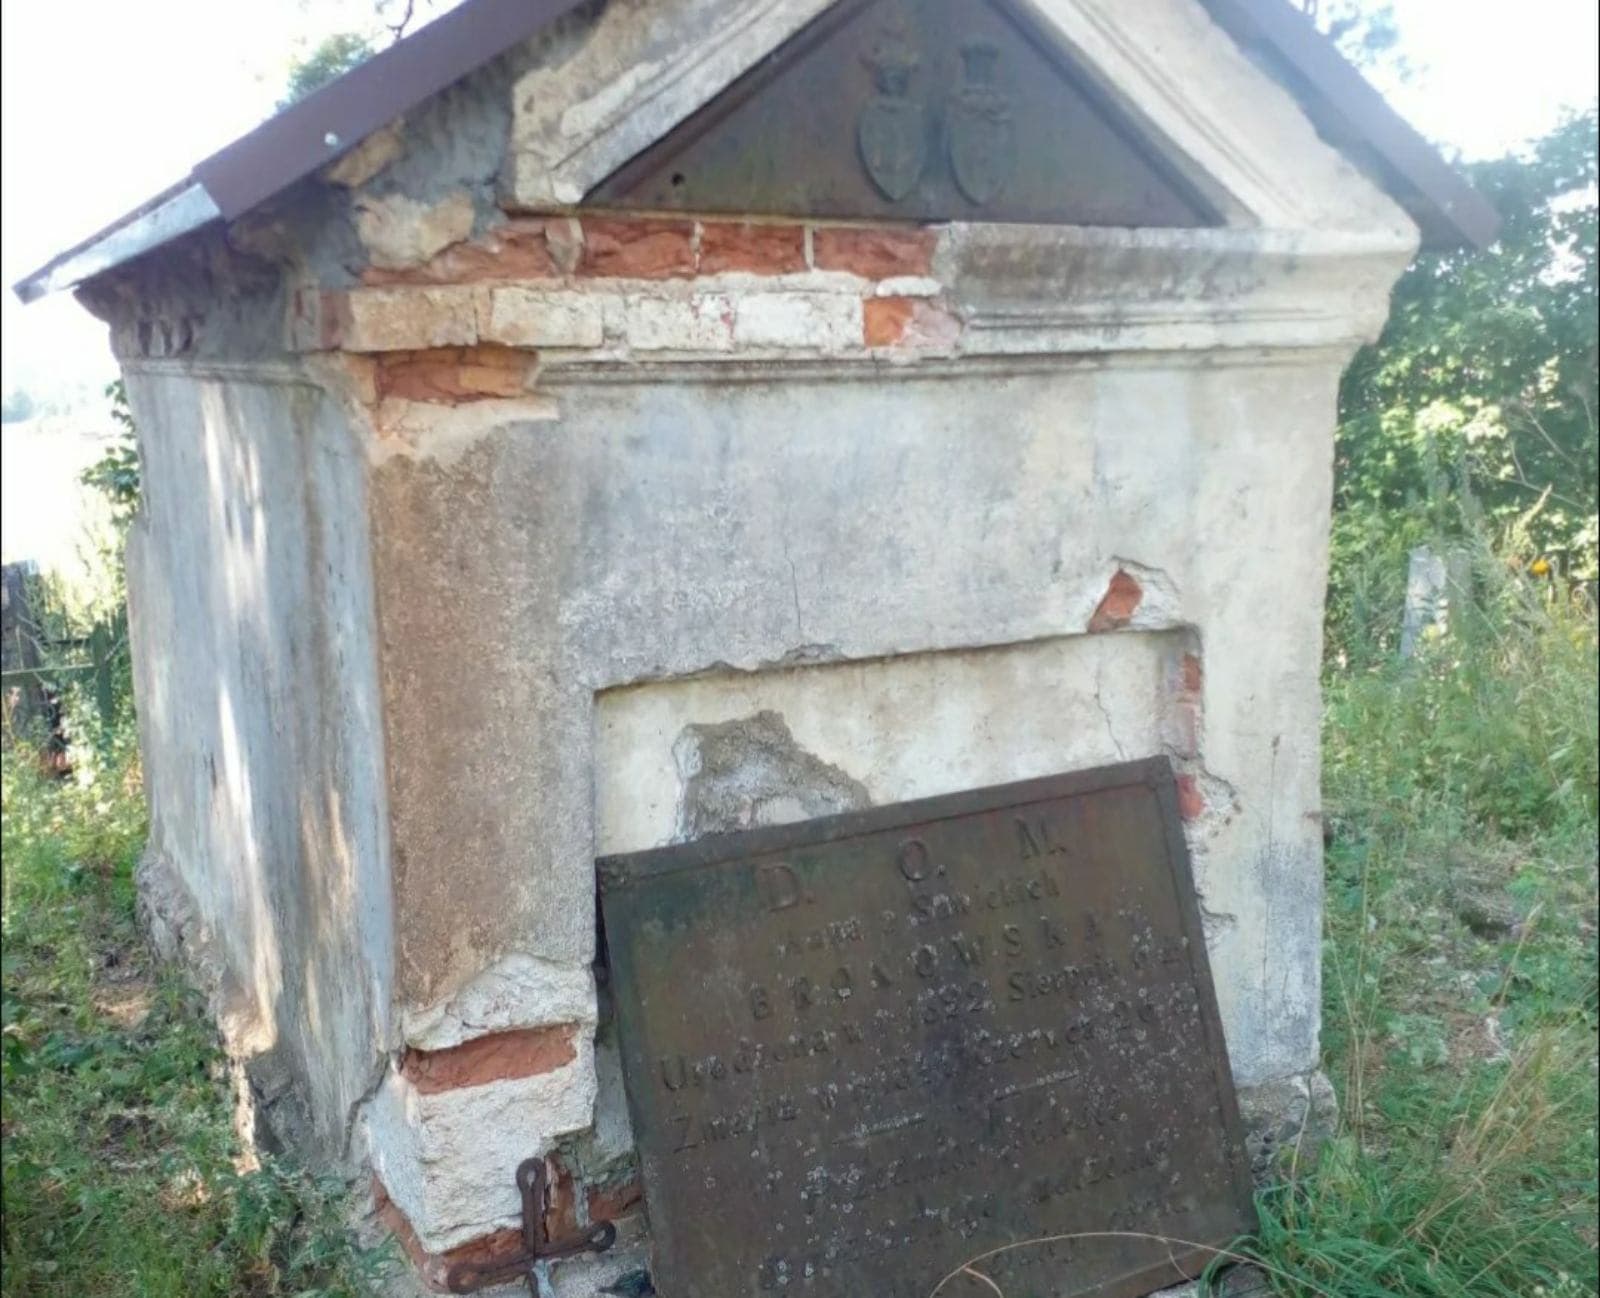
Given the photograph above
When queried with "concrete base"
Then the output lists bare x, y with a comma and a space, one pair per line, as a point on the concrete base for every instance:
1286, 1120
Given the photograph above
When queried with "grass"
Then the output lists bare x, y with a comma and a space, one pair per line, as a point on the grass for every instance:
1460, 968
1460, 1017
123, 1173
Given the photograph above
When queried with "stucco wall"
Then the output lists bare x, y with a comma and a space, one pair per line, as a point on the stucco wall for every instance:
588, 531
251, 605
649, 531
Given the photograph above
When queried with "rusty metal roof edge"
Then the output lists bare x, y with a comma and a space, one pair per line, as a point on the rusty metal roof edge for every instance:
305, 136
328, 123
1451, 211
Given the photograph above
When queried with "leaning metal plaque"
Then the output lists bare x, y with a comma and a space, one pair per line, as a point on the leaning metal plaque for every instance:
959, 1046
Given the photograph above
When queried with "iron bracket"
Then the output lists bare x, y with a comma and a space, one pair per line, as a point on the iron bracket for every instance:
537, 1246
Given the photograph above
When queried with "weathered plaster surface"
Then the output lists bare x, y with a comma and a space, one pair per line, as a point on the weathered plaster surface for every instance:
640, 70
849, 735
691, 539
664, 529
251, 607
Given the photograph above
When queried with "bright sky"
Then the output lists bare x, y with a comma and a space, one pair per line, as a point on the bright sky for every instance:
103, 102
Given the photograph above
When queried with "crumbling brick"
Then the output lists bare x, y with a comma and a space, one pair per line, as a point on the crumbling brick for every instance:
525, 1052
407, 319
517, 250
752, 248
453, 374
526, 317
634, 248
874, 252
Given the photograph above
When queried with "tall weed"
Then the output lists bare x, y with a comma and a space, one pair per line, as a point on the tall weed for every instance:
1460, 955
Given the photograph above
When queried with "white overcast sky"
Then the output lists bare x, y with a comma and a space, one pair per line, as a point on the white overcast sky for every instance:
103, 102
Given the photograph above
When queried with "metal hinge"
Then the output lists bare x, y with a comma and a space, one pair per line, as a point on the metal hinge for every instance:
537, 1246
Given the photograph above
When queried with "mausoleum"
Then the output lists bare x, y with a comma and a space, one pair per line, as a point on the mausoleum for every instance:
591, 427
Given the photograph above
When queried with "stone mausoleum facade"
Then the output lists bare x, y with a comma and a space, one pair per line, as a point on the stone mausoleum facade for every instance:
585, 428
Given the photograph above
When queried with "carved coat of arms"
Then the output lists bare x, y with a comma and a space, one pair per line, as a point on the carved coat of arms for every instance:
982, 135
891, 131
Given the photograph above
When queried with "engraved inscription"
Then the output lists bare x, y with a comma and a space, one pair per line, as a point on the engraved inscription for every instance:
862, 1051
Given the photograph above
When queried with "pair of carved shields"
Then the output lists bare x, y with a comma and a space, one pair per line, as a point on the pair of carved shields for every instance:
943, 1048
917, 109
897, 131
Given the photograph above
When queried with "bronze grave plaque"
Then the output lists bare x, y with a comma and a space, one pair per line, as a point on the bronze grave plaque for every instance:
865, 1050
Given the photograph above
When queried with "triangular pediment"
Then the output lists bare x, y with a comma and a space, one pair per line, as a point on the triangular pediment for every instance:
915, 109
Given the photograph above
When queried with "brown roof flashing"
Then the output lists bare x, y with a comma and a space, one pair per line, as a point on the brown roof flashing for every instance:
1353, 117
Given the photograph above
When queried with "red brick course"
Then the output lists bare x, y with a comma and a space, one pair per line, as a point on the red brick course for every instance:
626, 247
526, 1052
754, 249
874, 252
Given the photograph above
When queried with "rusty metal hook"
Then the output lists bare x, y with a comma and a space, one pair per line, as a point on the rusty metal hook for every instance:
537, 1246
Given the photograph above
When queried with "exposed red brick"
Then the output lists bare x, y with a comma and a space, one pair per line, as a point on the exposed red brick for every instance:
874, 252
1191, 802
1191, 674
453, 375
517, 250
756, 249
884, 320
607, 1203
1117, 606
908, 322
434, 1268
637, 248
501, 1055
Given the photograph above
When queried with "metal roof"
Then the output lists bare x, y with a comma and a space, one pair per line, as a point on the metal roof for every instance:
328, 123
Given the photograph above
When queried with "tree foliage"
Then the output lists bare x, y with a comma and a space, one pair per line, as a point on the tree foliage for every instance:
327, 61
1479, 399
116, 473
339, 52
1366, 33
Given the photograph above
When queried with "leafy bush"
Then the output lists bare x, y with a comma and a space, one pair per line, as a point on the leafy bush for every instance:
1484, 380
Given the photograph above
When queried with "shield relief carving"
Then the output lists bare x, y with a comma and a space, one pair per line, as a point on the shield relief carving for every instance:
982, 134
892, 130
